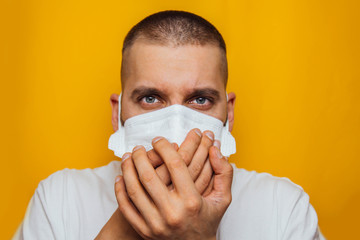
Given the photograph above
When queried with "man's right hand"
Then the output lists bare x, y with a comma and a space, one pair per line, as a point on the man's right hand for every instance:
194, 151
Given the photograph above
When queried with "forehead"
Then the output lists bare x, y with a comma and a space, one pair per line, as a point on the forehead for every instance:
180, 68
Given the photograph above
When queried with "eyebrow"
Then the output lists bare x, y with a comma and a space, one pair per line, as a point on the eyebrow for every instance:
143, 91
205, 91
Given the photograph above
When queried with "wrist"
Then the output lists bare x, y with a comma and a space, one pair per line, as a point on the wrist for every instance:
117, 228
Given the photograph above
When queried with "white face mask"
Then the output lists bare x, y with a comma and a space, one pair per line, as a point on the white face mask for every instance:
173, 123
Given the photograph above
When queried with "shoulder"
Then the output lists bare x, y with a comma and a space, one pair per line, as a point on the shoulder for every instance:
60, 204
69, 187
262, 184
264, 205
268, 191
59, 180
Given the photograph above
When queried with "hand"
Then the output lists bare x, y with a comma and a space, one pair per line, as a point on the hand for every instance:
156, 212
118, 228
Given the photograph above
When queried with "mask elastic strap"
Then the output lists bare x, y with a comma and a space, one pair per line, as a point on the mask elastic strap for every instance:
119, 114
227, 119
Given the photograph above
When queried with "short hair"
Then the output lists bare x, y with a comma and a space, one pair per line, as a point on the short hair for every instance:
175, 28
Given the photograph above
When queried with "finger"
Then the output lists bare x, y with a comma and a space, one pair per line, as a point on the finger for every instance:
162, 170
217, 144
163, 174
158, 163
179, 173
125, 156
154, 158
209, 188
127, 208
201, 154
176, 147
136, 192
188, 147
149, 179
223, 175
203, 181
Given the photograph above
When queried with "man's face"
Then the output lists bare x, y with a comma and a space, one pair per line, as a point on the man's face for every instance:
159, 76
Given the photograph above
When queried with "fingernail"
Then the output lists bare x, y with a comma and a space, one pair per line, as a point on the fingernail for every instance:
156, 139
217, 144
210, 135
125, 156
198, 132
117, 179
218, 153
137, 148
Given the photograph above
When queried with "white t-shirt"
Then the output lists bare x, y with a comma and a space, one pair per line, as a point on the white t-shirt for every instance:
76, 204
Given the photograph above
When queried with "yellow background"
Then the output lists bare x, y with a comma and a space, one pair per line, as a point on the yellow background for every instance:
294, 66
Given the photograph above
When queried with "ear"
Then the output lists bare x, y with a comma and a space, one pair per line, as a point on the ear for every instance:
114, 101
230, 108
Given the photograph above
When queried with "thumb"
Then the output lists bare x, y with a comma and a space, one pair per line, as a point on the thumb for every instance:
223, 175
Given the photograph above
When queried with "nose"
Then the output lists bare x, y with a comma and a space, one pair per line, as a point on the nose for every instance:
176, 99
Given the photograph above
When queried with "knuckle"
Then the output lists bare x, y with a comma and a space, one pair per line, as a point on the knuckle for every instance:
174, 220
186, 156
176, 162
158, 229
121, 208
147, 177
131, 192
193, 205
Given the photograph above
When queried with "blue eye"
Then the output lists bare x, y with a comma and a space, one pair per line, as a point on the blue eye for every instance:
150, 99
202, 103
200, 100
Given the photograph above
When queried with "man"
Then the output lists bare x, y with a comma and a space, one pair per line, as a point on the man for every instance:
174, 71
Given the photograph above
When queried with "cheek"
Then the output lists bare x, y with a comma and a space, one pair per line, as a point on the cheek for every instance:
222, 114
130, 109
219, 112
126, 112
